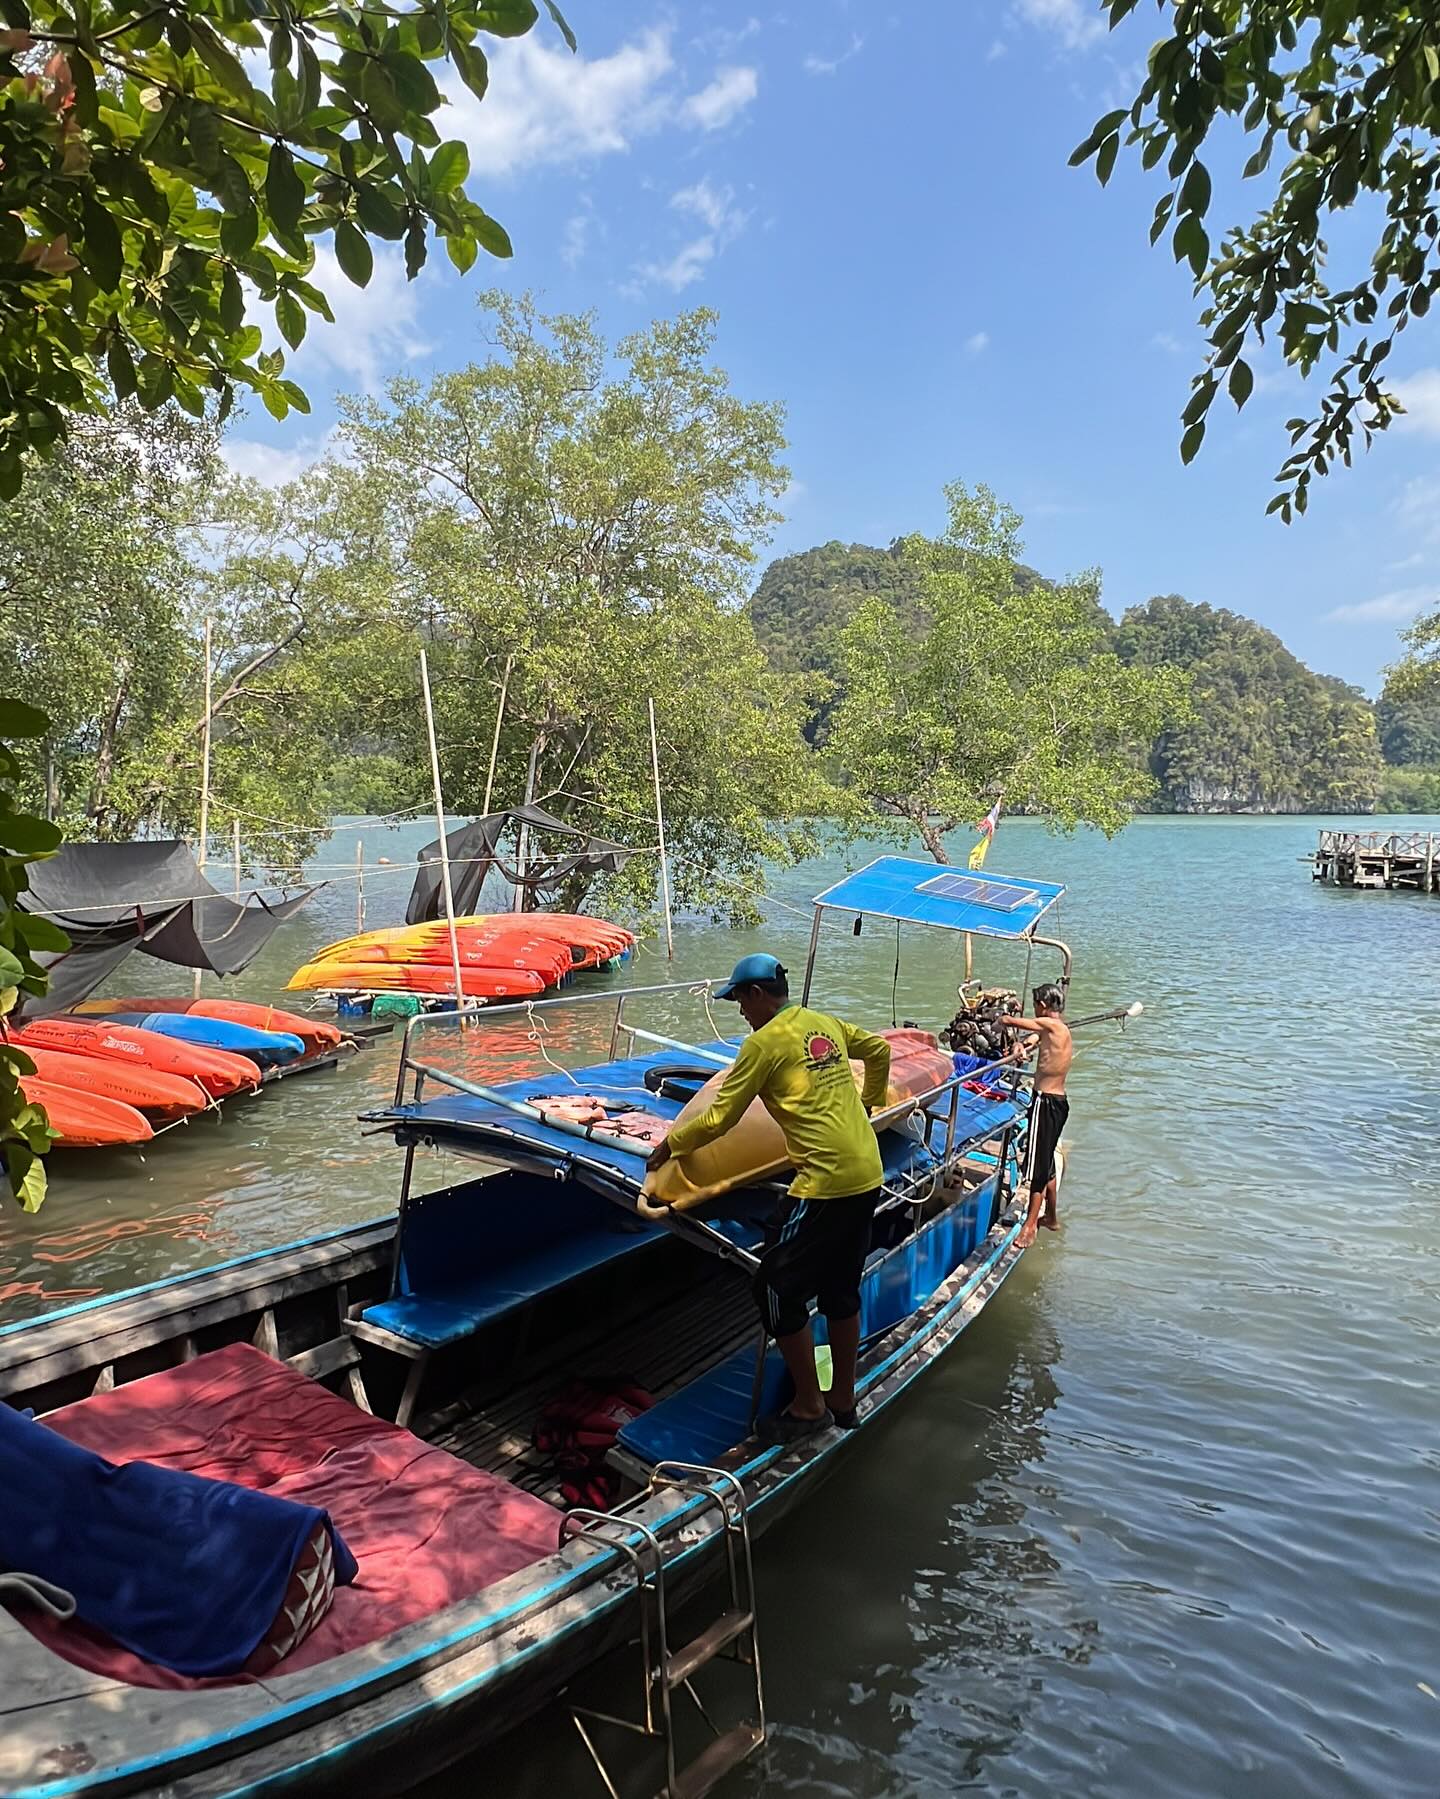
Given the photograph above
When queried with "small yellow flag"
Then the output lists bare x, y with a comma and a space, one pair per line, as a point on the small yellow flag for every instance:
977, 855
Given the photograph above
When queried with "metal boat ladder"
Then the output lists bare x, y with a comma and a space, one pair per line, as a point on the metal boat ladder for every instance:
666, 1671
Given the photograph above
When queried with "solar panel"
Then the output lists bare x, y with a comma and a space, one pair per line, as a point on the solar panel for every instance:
995, 896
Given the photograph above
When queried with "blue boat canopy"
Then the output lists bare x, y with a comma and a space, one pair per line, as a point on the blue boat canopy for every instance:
950, 898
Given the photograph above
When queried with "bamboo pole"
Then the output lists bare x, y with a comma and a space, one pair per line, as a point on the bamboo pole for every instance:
236, 822
660, 826
495, 740
204, 774
359, 885
522, 839
440, 827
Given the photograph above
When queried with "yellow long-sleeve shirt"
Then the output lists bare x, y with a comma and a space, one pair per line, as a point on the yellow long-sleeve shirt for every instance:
799, 1066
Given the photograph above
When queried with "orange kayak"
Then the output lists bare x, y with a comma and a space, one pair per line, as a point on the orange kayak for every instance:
86, 1120
218, 1071
148, 1090
314, 1033
419, 977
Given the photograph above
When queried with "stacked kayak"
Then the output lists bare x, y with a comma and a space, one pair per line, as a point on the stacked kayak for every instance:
506, 955
315, 1034
219, 1072
266, 1049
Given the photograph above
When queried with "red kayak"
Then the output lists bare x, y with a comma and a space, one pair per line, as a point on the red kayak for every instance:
86, 1120
148, 1090
218, 1071
314, 1033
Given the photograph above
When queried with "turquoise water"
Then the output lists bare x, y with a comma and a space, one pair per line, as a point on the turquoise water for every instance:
1168, 1520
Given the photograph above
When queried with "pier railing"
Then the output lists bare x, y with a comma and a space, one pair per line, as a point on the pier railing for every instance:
1387, 859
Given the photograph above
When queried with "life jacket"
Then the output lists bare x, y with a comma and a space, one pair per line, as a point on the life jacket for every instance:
578, 1427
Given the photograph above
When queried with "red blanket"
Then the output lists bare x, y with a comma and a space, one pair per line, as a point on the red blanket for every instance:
425, 1528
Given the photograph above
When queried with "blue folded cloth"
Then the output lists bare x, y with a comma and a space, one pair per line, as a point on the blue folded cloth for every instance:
184, 1572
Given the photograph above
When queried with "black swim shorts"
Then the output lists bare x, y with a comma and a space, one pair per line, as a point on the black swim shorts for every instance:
1048, 1112
818, 1253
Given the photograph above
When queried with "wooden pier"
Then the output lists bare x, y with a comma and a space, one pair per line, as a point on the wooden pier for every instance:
1393, 859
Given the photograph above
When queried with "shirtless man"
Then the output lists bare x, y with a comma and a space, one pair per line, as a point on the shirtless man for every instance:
1049, 1109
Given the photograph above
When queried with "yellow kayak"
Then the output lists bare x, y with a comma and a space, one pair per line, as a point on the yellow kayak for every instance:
754, 1149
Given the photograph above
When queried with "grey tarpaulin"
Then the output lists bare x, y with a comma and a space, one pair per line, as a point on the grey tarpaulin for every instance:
112, 899
473, 851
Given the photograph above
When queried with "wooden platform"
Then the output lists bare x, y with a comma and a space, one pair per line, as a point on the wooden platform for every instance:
1403, 860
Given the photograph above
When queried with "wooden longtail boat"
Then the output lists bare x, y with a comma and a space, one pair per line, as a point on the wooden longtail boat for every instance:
452, 1325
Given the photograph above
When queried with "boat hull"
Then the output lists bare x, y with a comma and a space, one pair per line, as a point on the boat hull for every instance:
314, 1033
86, 1120
217, 1071
385, 1717
156, 1094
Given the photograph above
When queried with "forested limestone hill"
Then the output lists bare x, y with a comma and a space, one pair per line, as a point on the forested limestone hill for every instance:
1268, 734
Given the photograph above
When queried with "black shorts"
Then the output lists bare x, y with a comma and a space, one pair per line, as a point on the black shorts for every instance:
819, 1253
1048, 1112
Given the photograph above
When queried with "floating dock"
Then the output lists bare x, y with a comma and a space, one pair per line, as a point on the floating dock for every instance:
1394, 859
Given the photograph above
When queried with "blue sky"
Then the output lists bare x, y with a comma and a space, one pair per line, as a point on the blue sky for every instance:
877, 204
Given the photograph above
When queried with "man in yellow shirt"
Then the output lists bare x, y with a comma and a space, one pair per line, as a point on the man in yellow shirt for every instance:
797, 1061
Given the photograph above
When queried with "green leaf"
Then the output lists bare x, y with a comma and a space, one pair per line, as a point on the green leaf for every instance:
290, 317
220, 59
202, 129
231, 184
27, 836
471, 61
560, 20
17, 719
381, 100
506, 18
239, 230
1191, 441
284, 190
416, 248
487, 232
1195, 194
122, 368
353, 253
462, 249
1242, 383
104, 252
154, 380
1105, 161
310, 78
381, 210
42, 934
449, 167
412, 81
232, 300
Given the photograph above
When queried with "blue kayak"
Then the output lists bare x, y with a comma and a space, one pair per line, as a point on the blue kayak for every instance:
268, 1049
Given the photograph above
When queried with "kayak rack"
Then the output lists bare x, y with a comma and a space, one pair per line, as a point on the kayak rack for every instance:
666, 1671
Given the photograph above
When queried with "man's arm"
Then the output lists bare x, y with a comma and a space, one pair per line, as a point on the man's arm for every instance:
732, 1096
874, 1052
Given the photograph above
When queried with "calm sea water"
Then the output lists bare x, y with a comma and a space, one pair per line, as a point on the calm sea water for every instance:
1168, 1520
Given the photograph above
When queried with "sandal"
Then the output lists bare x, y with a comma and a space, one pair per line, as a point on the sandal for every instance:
785, 1427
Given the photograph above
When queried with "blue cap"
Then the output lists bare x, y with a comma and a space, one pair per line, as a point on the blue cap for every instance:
751, 968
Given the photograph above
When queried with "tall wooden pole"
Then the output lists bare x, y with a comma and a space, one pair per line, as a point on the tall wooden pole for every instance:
660, 826
495, 740
204, 773
360, 884
522, 840
237, 858
440, 828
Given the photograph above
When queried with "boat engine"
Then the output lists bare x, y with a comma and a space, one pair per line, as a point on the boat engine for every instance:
979, 1027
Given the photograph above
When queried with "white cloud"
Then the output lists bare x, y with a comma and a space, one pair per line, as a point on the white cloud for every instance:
1168, 342
1418, 560
1417, 506
790, 496
729, 93
1420, 396
376, 329
1398, 607
1077, 23
723, 221
977, 342
544, 105
997, 49
827, 65
275, 464
575, 240
720, 40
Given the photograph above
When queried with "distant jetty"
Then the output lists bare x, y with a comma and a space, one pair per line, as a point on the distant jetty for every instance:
1381, 859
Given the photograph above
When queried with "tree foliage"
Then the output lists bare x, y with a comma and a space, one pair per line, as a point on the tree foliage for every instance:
1263, 734
1350, 95
997, 693
587, 518
154, 183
